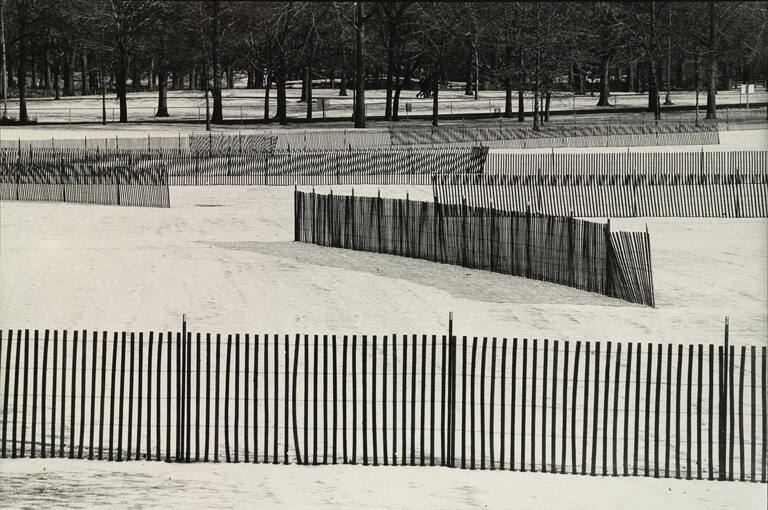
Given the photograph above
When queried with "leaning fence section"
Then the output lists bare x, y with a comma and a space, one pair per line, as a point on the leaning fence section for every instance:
558, 249
514, 404
42, 177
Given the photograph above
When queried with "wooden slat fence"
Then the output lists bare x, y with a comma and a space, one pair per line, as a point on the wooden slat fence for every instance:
562, 135
518, 404
39, 177
688, 167
558, 249
655, 195
628, 131
278, 168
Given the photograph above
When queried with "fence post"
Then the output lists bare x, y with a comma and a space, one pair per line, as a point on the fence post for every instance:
528, 240
451, 394
608, 254
435, 225
378, 220
723, 394
295, 213
463, 231
117, 184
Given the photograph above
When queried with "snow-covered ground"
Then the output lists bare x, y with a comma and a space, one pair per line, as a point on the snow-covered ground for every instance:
83, 484
225, 257
248, 104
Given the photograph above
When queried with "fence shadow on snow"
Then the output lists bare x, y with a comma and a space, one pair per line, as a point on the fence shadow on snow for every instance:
557, 249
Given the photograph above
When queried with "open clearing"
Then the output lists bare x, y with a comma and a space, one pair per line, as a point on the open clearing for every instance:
225, 257
248, 104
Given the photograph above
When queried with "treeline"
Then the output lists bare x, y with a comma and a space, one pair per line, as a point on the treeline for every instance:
69, 47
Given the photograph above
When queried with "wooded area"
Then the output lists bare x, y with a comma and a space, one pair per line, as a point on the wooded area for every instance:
72, 47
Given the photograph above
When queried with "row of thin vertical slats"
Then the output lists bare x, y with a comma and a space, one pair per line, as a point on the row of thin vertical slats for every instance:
557, 249
606, 200
40, 176
599, 408
565, 133
375, 166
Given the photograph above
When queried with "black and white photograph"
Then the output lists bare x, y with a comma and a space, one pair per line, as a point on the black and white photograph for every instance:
386, 255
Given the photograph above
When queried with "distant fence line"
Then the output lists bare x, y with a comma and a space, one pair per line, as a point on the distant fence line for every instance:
363, 166
690, 167
598, 408
32, 178
557, 134
628, 196
558, 249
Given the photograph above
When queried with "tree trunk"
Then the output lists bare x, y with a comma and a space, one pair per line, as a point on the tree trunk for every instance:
547, 100
631, 78
33, 83
308, 81
537, 81
250, 83
668, 99
605, 84
56, 71
303, 97
580, 81
230, 78
399, 86
435, 105
267, 88
47, 71
67, 76
122, 74
151, 76
521, 92
93, 80
653, 81
343, 81
282, 118
162, 93
508, 97
217, 115
468, 72
359, 69
5, 66
84, 73
136, 77
712, 85
22, 71
390, 72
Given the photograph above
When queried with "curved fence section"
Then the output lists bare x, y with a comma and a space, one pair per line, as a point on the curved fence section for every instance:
557, 249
